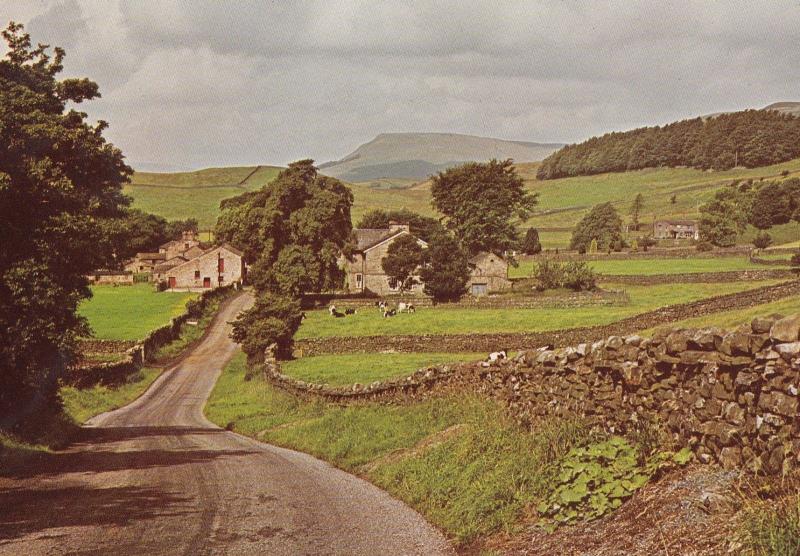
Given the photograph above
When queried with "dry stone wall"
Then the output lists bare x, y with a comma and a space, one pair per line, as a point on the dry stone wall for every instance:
732, 396
699, 277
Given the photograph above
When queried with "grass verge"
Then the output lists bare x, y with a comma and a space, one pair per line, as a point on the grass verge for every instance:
459, 460
771, 528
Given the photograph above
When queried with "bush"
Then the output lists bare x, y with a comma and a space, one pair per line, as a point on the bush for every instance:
762, 240
704, 246
273, 319
549, 275
635, 245
578, 276
646, 242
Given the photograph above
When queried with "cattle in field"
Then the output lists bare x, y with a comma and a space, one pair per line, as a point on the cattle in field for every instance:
389, 313
350, 311
403, 307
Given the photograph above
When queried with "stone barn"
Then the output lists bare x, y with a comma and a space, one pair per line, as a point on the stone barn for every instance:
177, 247
218, 266
676, 229
488, 274
364, 271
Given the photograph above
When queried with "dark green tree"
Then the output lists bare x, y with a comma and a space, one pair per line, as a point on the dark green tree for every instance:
445, 271
482, 203
722, 219
273, 319
531, 244
423, 227
603, 224
403, 258
771, 206
636, 211
58, 178
762, 240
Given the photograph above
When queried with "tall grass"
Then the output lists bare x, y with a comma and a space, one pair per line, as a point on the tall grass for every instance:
772, 528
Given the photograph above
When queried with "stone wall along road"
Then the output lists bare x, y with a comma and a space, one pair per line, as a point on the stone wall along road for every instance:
156, 477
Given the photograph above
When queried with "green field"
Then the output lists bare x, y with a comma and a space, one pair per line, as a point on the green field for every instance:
456, 320
195, 194
130, 312
651, 267
364, 368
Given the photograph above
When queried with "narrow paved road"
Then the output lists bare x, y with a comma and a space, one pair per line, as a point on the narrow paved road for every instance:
156, 477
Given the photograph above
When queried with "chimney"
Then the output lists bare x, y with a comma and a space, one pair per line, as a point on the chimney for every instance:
394, 227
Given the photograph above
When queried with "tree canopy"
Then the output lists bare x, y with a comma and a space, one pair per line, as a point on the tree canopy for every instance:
291, 231
58, 178
445, 269
136, 231
403, 257
423, 227
603, 225
724, 217
750, 138
480, 203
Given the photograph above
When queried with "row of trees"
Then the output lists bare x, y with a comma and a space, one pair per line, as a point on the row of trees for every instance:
750, 138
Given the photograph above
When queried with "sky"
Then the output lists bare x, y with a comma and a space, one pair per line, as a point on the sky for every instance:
188, 85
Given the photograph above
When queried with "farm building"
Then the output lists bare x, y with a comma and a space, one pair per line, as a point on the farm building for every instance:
218, 266
186, 248
676, 229
364, 271
177, 247
488, 273
145, 262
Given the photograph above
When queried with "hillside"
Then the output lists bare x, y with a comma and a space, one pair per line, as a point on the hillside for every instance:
418, 155
792, 108
196, 194
751, 138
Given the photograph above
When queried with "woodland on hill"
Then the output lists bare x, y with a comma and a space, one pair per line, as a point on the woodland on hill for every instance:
750, 138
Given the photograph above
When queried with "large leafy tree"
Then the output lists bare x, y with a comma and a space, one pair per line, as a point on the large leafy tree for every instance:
403, 257
602, 224
58, 178
292, 232
481, 204
723, 218
445, 269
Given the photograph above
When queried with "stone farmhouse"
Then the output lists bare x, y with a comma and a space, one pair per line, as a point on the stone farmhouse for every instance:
676, 229
187, 247
364, 273
488, 273
215, 267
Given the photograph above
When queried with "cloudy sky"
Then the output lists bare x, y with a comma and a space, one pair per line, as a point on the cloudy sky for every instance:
203, 83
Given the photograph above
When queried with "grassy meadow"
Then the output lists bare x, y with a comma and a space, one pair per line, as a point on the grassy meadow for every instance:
130, 312
364, 368
459, 320
461, 461
651, 267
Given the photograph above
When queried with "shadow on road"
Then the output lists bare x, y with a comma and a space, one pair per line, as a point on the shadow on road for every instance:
30, 511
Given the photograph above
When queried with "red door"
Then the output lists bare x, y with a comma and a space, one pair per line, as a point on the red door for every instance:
207, 282
172, 282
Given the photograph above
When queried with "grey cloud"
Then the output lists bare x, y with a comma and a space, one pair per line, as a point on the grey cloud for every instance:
206, 83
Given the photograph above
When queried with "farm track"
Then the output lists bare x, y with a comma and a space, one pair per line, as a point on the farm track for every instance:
565, 337
156, 477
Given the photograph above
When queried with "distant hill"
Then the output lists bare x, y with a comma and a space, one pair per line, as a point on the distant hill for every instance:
418, 155
792, 108
750, 138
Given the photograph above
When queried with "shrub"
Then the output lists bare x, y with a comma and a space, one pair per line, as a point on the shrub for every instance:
762, 240
704, 246
635, 245
273, 319
646, 242
593, 247
549, 275
578, 276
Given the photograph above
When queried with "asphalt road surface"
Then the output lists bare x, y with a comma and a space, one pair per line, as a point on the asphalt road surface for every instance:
156, 477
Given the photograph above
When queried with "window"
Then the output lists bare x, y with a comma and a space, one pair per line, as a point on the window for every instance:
359, 280
196, 274
221, 265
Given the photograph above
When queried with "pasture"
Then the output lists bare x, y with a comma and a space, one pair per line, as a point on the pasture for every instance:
130, 312
364, 368
451, 319
651, 267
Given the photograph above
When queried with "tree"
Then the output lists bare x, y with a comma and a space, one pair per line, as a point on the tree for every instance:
722, 219
135, 231
602, 224
445, 271
292, 230
403, 257
771, 206
423, 227
58, 178
762, 240
531, 244
636, 210
480, 202
273, 319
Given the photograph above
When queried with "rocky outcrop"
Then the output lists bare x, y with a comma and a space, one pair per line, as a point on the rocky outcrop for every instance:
732, 396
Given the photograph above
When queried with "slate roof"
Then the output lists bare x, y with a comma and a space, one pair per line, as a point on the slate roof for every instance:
151, 256
369, 237
678, 222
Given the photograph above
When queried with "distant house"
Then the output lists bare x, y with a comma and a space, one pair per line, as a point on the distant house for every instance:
488, 273
145, 262
188, 247
215, 267
676, 229
180, 246
364, 271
